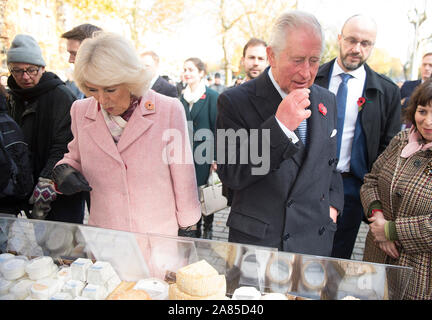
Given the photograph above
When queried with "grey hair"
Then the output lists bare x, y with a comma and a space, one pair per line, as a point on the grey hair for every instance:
289, 21
109, 59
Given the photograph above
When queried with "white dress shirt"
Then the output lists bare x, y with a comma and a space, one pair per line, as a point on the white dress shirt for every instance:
355, 91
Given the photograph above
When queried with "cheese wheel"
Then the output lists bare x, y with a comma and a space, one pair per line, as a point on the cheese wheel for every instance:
6, 256
13, 269
21, 289
5, 285
200, 279
45, 288
175, 293
41, 267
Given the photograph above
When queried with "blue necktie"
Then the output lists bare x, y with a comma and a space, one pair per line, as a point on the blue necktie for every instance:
341, 98
302, 129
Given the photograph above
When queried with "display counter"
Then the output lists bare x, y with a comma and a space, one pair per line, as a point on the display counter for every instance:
164, 266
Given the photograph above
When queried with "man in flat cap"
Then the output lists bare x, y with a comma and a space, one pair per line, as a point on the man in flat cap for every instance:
40, 103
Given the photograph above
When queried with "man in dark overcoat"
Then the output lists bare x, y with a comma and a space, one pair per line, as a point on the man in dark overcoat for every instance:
370, 120
286, 191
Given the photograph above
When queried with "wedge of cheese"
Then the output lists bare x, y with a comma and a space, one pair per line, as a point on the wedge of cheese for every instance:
132, 294
175, 293
120, 289
200, 279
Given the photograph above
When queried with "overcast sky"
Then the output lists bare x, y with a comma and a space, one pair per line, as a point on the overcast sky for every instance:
395, 33
198, 38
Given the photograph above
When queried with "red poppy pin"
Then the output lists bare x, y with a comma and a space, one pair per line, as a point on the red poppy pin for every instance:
322, 108
149, 105
360, 102
203, 96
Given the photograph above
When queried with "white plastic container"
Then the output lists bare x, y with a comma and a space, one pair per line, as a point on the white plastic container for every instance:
156, 288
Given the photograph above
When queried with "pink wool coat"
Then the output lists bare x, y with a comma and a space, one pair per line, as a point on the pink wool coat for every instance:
145, 183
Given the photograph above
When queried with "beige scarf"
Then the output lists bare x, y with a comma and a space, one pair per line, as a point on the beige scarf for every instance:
116, 124
192, 97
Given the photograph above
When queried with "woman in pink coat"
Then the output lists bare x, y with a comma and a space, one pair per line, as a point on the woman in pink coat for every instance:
130, 148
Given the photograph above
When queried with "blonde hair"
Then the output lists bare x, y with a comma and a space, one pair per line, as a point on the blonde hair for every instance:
108, 59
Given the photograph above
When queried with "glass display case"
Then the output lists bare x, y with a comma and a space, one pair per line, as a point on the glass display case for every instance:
135, 257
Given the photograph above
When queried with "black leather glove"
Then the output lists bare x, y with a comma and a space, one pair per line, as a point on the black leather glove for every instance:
68, 180
190, 232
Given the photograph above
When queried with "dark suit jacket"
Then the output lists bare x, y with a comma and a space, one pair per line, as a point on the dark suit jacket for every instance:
287, 208
407, 89
202, 116
164, 87
381, 115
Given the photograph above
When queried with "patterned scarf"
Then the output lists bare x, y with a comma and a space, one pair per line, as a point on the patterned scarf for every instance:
414, 144
116, 124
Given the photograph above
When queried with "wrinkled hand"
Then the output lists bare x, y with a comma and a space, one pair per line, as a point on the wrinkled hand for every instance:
377, 226
390, 249
190, 232
69, 180
43, 194
292, 110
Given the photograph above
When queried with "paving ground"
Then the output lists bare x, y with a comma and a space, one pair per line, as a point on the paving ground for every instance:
220, 232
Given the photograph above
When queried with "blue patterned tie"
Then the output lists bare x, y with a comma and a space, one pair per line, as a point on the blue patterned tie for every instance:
302, 129
341, 98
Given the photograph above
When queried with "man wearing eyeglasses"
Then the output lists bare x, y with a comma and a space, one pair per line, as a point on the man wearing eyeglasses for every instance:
368, 117
40, 103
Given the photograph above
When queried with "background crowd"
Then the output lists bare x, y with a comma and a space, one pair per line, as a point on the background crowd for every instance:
346, 143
